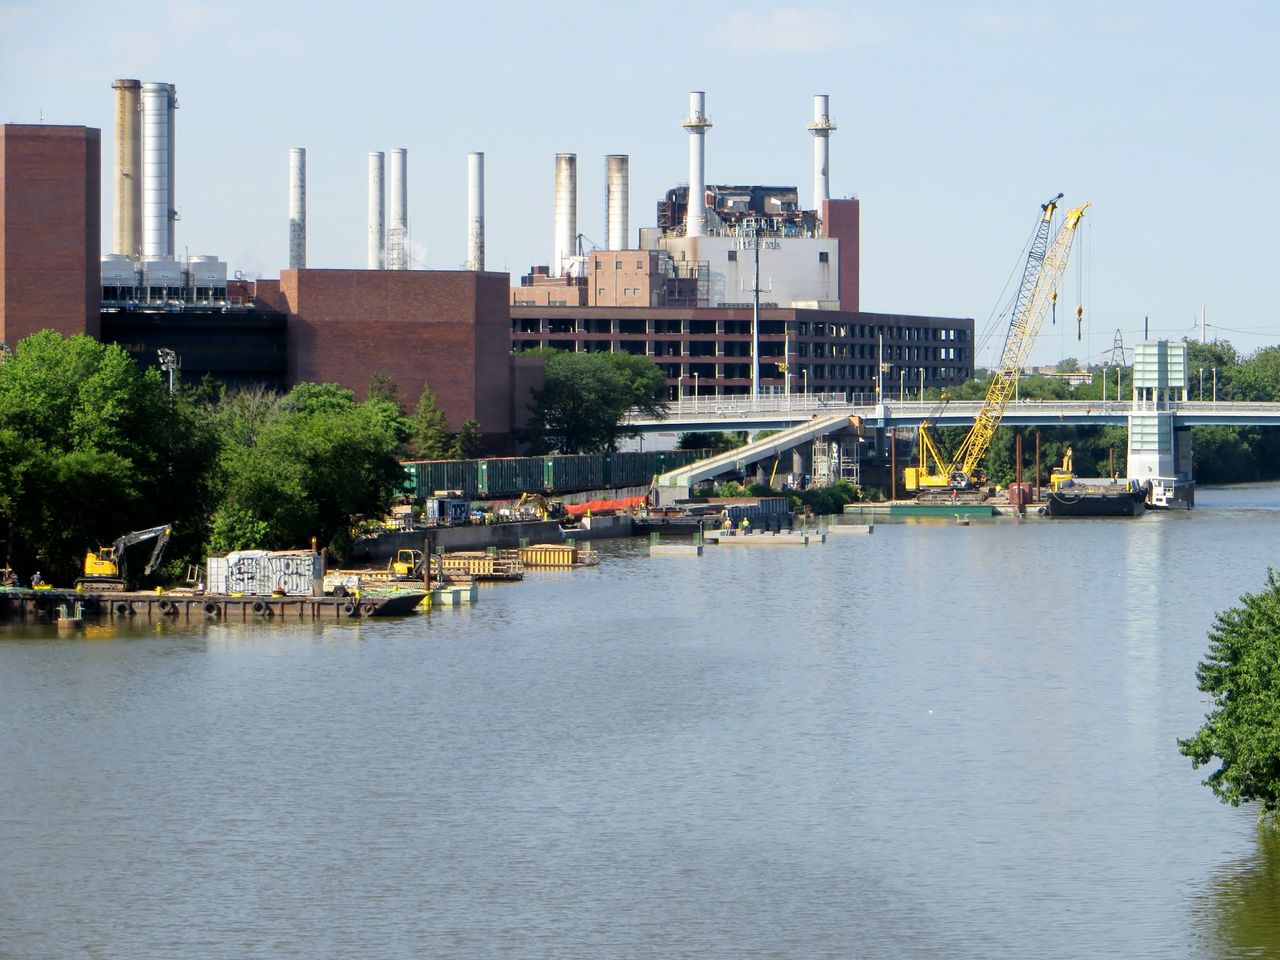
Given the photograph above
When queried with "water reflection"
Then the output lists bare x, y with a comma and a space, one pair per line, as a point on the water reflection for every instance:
1238, 912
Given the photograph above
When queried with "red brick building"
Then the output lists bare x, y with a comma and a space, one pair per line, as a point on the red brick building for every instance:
449, 329
50, 229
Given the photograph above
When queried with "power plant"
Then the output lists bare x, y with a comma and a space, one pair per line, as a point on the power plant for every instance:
732, 288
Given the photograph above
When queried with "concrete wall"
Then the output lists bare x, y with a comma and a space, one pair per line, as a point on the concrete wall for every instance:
50, 229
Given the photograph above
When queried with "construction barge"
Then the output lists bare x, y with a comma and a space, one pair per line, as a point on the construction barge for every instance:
53, 605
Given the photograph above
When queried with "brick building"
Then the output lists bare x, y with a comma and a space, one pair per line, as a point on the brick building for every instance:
449, 329
707, 350
50, 229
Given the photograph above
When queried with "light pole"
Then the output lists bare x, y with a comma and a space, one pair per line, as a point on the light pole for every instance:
805, 371
680, 388
1215, 384
170, 363
1202, 384
695, 391
902, 384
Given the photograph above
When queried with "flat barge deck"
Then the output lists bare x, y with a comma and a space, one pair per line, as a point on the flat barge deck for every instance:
52, 605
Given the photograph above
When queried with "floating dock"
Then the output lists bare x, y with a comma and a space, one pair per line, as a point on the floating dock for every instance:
44, 604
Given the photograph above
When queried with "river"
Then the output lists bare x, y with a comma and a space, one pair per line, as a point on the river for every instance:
937, 742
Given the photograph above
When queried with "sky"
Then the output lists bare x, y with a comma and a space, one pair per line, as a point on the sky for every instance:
955, 122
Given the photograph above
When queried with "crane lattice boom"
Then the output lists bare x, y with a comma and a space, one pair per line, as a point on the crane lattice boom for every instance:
1040, 278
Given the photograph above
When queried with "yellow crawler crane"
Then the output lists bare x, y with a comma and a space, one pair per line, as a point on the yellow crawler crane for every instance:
1045, 265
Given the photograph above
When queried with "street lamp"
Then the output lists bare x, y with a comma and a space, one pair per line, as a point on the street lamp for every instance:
695, 390
1202, 384
805, 371
680, 388
170, 363
1215, 384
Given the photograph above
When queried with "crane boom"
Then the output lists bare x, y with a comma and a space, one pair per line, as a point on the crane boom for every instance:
1046, 262
1040, 280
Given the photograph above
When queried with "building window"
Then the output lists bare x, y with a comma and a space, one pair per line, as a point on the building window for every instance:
639, 264
822, 256
733, 256
601, 291
617, 264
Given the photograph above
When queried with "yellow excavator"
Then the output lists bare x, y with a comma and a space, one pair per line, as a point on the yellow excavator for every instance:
961, 476
406, 565
104, 569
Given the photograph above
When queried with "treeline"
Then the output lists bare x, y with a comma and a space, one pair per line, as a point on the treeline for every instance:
92, 447
1219, 454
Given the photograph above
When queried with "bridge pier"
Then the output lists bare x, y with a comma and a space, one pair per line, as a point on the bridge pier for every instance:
1159, 448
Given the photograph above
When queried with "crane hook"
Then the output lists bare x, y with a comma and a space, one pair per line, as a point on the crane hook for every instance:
1079, 320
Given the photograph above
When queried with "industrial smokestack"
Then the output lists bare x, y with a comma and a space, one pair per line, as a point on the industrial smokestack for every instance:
566, 210
475, 211
157, 188
172, 128
377, 210
398, 226
697, 124
616, 187
297, 208
821, 129
127, 239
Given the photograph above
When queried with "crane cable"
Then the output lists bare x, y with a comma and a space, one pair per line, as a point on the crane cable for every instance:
997, 322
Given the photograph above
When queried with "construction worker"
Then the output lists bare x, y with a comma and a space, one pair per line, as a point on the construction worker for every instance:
746, 526
36, 579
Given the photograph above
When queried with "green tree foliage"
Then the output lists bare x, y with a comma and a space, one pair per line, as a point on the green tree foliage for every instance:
383, 387
91, 447
468, 443
725, 440
586, 396
1241, 672
429, 437
309, 464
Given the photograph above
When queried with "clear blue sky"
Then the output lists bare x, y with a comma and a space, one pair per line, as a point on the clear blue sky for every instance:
956, 121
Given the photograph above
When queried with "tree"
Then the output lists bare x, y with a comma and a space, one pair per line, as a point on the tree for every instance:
468, 442
92, 447
316, 461
383, 387
586, 397
723, 440
430, 438
1241, 671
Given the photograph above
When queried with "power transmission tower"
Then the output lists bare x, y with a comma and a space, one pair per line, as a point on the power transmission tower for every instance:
1117, 350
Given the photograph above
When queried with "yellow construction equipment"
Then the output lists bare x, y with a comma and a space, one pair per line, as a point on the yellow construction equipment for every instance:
406, 565
1045, 265
104, 569
1062, 474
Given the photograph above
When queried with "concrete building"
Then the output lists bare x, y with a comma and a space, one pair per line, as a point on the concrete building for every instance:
50, 229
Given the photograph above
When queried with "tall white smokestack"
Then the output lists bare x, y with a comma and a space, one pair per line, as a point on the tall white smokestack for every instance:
377, 210
398, 226
616, 188
172, 128
697, 124
127, 238
566, 211
297, 208
821, 129
156, 188
475, 211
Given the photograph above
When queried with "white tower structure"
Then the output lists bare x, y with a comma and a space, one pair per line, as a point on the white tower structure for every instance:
821, 128
398, 225
158, 210
616, 189
475, 211
697, 124
297, 208
566, 223
377, 210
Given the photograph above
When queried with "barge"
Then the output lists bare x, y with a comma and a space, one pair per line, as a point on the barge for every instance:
55, 605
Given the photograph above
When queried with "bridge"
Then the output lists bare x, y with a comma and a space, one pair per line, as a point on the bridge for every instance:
833, 427
753, 414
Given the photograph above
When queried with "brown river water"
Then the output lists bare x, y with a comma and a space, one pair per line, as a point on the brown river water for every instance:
937, 742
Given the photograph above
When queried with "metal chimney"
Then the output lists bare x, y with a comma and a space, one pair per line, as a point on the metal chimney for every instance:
377, 252
697, 124
398, 226
127, 240
821, 129
297, 208
172, 129
156, 210
566, 211
616, 173
475, 211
